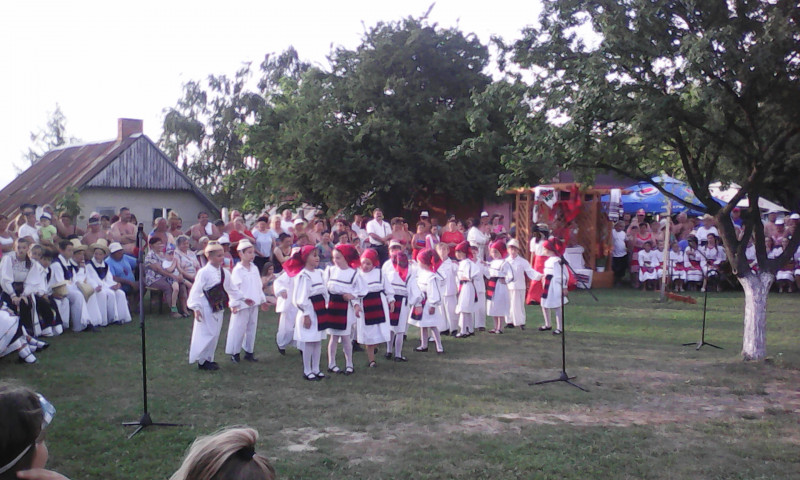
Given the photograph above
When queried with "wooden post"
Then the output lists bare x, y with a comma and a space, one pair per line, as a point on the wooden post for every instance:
666, 253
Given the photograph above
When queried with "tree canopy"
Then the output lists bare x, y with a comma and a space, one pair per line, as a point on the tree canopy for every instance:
705, 91
54, 135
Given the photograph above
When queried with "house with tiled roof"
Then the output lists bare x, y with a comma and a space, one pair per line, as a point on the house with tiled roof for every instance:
130, 171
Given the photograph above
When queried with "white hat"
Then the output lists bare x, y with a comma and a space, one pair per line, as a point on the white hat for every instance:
795, 216
395, 243
513, 243
46, 215
484, 214
424, 213
473, 245
244, 244
779, 221
224, 239
298, 221
115, 247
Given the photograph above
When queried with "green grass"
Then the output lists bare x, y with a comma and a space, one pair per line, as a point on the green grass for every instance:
655, 409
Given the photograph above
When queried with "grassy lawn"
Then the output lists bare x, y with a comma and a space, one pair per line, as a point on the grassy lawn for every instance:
655, 409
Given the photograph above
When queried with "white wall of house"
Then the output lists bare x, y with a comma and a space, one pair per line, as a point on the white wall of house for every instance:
142, 203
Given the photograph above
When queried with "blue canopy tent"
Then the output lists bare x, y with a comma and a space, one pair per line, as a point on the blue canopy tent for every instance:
646, 196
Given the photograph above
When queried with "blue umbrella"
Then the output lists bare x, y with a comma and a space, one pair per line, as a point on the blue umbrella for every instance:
645, 196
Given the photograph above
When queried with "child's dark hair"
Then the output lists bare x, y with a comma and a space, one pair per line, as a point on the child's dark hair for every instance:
63, 244
20, 426
266, 267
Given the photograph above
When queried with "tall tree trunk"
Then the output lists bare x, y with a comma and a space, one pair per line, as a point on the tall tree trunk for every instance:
756, 288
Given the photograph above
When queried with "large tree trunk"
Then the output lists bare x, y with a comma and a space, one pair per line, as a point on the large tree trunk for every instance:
756, 288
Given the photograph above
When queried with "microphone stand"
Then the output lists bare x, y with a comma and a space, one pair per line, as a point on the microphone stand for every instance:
702, 341
145, 421
564, 377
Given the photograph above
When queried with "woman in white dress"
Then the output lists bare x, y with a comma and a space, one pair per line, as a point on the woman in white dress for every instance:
648, 266
377, 300
676, 267
111, 298
344, 287
554, 285
498, 302
693, 264
428, 314
310, 298
406, 294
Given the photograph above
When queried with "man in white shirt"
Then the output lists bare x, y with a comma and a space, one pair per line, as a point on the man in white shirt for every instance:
379, 233
479, 235
287, 225
619, 252
28, 229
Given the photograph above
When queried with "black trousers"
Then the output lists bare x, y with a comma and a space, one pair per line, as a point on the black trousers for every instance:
383, 253
619, 265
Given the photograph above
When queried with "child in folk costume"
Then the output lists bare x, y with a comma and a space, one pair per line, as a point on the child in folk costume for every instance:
20, 283
448, 270
210, 293
309, 298
406, 294
284, 287
111, 299
81, 279
467, 304
428, 314
377, 302
72, 307
516, 286
714, 255
554, 283
676, 267
538, 258
784, 277
243, 324
344, 286
47, 317
479, 316
693, 263
648, 266
497, 296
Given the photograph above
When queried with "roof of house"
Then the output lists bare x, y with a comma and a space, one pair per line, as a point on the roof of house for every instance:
93, 165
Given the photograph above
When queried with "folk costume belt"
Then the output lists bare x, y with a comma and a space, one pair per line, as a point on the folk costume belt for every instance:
373, 309
334, 316
394, 317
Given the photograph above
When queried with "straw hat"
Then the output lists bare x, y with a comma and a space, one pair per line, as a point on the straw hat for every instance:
101, 246
213, 246
244, 244
60, 289
85, 289
513, 243
77, 246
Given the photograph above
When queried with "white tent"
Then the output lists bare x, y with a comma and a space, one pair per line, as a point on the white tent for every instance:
726, 195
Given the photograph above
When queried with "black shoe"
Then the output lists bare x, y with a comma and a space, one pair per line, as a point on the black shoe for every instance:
509, 325
250, 357
357, 347
372, 364
282, 351
400, 359
387, 356
214, 366
235, 358
446, 332
522, 327
544, 328
482, 329
556, 332
420, 349
208, 366
454, 333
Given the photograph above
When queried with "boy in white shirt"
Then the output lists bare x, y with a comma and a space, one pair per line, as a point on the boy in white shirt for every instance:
244, 321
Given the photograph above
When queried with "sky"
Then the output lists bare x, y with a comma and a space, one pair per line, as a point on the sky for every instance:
104, 60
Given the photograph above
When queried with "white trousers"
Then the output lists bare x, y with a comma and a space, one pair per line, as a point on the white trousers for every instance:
480, 311
285, 335
242, 331
113, 306
205, 336
73, 309
450, 302
517, 311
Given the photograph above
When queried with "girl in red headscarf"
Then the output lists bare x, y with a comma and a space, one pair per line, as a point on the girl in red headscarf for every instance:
498, 304
377, 301
428, 314
554, 284
468, 274
344, 286
406, 294
309, 297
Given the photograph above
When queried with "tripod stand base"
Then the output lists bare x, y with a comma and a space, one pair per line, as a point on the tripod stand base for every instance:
562, 378
145, 422
700, 345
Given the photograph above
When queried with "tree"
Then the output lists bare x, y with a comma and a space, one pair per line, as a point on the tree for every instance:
203, 133
703, 90
54, 135
376, 127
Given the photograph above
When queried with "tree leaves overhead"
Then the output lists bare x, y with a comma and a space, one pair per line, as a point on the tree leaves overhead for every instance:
376, 128
54, 135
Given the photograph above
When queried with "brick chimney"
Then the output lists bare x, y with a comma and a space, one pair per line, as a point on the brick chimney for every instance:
127, 127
